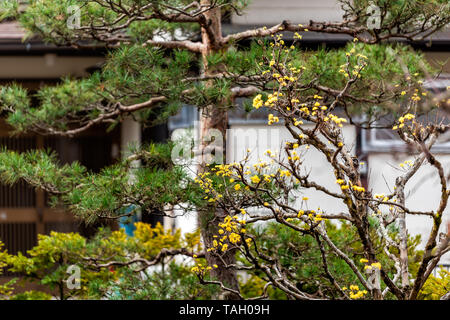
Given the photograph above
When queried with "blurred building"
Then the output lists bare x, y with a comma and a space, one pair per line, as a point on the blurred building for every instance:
25, 212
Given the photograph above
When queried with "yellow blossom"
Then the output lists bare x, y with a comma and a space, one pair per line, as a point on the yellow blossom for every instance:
255, 179
257, 101
234, 237
376, 265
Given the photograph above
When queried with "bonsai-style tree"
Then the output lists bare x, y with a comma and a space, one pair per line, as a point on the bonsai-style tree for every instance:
371, 239
163, 54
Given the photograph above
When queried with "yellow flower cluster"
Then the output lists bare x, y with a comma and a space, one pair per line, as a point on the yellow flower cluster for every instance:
284, 173
255, 179
358, 188
260, 165
360, 55
272, 98
354, 292
267, 177
234, 238
296, 70
357, 68
343, 72
200, 269
270, 153
297, 122
416, 96
401, 120
272, 119
312, 216
294, 156
344, 186
317, 217
223, 170
352, 51
406, 163
229, 223
407, 116
381, 196
375, 265
206, 183
258, 102
336, 120
231, 230
298, 36
282, 80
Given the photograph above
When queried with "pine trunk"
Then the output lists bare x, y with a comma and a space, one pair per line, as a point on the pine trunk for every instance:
214, 117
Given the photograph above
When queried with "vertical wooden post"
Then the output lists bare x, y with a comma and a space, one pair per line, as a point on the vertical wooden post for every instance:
40, 196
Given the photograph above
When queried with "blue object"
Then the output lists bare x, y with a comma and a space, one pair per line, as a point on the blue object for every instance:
128, 222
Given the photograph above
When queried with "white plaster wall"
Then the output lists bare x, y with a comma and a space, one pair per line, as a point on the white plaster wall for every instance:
259, 138
422, 192
266, 12
130, 134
